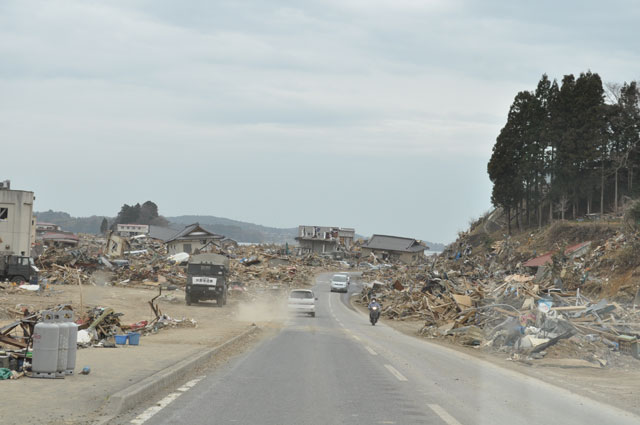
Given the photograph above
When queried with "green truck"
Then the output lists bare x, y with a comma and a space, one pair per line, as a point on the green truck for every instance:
17, 268
207, 278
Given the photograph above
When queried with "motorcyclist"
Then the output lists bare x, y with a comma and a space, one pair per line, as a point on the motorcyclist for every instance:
374, 311
373, 303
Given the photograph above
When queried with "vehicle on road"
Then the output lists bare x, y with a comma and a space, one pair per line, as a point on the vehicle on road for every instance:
374, 311
207, 279
18, 268
340, 282
302, 301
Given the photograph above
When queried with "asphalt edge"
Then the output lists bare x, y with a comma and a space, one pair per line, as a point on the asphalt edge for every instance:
129, 397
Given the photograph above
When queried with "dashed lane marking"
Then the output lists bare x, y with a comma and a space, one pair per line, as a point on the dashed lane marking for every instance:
356, 337
394, 372
147, 414
370, 350
191, 384
444, 415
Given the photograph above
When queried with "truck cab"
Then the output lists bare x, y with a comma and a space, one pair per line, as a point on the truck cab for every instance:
207, 279
17, 268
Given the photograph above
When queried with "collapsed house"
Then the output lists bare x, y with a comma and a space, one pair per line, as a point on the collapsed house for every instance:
394, 248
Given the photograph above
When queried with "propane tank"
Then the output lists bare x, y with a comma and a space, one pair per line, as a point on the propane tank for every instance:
46, 340
73, 342
63, 345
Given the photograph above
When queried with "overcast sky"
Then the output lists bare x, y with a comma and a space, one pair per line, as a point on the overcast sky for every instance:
373, 114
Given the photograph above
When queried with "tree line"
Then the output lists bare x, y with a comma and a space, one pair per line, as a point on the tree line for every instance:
146, 213
567, 149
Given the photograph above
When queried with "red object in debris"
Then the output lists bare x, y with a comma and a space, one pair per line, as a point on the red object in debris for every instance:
546, 258
238, 288
139, 325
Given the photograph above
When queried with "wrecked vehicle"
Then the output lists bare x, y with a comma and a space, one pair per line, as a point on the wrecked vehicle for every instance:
207, 278
17, 268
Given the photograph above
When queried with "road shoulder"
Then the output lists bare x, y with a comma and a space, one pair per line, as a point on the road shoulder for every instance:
614, 386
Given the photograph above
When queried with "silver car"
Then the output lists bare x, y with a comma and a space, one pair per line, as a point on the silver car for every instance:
340, 282
302, 301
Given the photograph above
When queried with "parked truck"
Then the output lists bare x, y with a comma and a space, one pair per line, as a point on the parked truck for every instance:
207, 278
17, 268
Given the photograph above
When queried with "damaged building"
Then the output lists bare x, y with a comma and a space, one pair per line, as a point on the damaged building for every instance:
191, 238
17, 225
324, 239
394, 248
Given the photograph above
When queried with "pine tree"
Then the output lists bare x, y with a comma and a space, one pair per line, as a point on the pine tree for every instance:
104, 226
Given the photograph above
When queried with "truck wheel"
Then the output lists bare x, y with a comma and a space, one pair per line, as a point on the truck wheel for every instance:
219, 301
18, 279
224, 301
187, 299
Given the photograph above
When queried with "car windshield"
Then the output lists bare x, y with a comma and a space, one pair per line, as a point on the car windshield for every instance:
339, 278
301, 294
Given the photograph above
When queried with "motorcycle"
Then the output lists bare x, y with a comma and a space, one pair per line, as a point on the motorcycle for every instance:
374, 315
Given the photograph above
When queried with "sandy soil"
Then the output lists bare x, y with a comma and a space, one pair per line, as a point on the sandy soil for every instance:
113, 369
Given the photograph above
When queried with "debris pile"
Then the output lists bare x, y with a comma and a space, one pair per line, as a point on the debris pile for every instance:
551, 308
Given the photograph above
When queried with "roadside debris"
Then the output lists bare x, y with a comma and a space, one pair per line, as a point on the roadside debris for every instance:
505, 298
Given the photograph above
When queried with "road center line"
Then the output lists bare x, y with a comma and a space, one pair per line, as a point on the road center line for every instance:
356, 337
394, 372
444, 415
147, 414
370, 350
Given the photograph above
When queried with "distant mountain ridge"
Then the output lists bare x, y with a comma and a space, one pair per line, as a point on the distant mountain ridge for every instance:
239, 230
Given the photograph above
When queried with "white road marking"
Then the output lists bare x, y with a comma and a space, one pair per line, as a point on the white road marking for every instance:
191, 384
356, 337
444, 415
394, 372
370, 350
144, 416
147, 414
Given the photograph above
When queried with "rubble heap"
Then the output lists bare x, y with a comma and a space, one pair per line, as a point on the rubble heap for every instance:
488, 298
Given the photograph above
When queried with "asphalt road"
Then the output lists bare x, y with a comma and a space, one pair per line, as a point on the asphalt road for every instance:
338, 369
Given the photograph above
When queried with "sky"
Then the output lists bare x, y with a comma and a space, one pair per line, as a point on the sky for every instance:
378, 114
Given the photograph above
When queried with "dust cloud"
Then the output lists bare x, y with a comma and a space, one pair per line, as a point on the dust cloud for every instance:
273, 310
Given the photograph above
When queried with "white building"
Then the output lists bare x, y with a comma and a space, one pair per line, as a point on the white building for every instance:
16, 220
132, 229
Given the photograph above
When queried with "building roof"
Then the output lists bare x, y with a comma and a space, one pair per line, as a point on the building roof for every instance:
194, 232
394, 243
546, 258
161, 233
59, 236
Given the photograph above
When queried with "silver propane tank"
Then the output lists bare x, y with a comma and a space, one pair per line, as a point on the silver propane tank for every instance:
46, 341
63, 345
73, 342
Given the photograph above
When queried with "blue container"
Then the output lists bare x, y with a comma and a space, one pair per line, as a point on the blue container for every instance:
134, 338
121, 339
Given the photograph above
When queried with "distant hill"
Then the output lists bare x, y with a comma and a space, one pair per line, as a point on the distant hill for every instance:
434, 246
239, 230
71, 224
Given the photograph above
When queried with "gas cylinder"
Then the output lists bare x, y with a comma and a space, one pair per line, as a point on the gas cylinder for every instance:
73, 342
46, 341
63, 345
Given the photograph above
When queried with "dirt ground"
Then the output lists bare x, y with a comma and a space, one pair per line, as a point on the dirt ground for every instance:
113, 369
618, 386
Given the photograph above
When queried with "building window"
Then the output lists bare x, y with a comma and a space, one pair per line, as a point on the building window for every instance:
4, 213
186, 248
